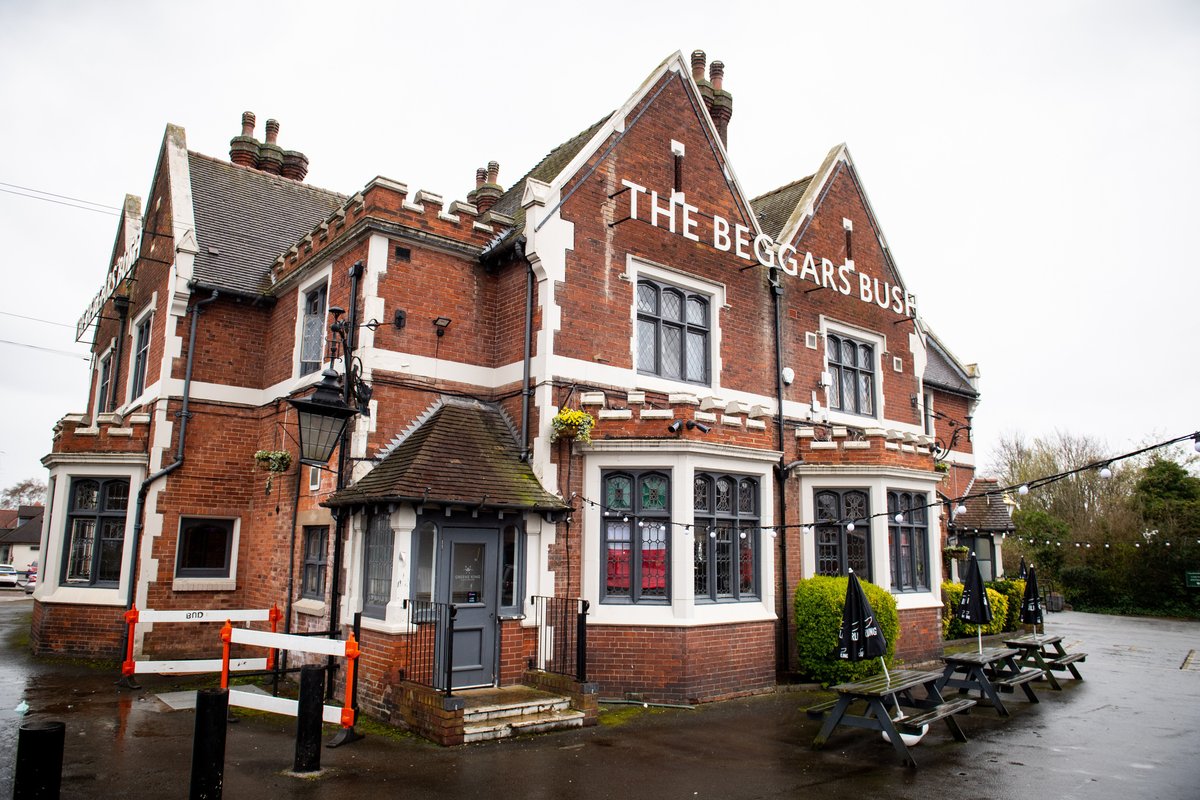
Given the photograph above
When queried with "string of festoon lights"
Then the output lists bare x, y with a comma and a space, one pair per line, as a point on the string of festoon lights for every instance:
958, 507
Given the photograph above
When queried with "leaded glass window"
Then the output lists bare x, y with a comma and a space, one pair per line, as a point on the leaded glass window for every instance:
95, 531
726, 537
636, 520
377, 566
673, 330
312, 334
838, 547
852, 369
908, 541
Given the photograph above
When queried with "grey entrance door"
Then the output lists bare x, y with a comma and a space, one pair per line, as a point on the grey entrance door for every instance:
467, 578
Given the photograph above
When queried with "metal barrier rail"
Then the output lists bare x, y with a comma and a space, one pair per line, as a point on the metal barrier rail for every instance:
561, 635
133, 616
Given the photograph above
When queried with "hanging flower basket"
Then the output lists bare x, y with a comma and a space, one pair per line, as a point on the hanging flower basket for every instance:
571, 424
274, 460
958, 551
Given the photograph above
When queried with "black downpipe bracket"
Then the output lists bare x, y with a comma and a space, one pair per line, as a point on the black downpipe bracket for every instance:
781, 657
184, 414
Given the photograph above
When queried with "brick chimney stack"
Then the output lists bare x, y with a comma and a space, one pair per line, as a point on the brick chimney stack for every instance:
270, 154
243, 150
487, 193
698, 61
721, 107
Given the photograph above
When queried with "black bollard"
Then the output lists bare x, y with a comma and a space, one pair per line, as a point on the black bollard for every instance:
39, 760
308, 719
208, 744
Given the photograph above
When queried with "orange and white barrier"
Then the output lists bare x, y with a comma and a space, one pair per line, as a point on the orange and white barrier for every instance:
347, 649
133, 617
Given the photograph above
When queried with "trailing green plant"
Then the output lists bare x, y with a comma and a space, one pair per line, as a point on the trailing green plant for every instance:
817, 607
956, 551
274, 460
954, 628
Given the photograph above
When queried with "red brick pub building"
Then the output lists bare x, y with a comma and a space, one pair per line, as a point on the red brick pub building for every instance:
769, 405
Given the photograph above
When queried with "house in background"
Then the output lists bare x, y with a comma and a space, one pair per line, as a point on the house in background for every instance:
768, 406
20, 536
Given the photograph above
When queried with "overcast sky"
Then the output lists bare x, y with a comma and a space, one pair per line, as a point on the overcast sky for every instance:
1034, 166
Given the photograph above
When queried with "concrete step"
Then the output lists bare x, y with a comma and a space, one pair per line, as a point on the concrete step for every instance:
535, 722
480, 714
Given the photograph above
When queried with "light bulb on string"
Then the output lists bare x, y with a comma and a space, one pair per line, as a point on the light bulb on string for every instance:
1023, 490
742, 535
960, 510
712, 533
850, 526
1106, 473
899, 518
774, 533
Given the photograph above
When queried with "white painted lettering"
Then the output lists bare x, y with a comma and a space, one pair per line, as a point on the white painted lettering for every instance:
741, 236
809, 269
843, 280
826, 273
690, 222
634, 191
721, 234
657, 210
787, 259
897, 300
763, 251
864, 287
881, 295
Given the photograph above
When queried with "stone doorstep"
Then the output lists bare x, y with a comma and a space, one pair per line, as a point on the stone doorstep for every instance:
539, 722
522, 709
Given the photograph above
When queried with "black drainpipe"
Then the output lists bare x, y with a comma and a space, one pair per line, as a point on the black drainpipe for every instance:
525, 390
781, 657
197, 308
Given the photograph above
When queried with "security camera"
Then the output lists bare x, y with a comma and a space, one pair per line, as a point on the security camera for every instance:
675, 426
692, 424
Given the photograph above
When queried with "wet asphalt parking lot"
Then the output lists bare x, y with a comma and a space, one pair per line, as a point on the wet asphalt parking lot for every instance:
1128, 730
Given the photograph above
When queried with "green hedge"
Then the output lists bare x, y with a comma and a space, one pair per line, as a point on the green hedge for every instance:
818, 605
1013, 590
954, 628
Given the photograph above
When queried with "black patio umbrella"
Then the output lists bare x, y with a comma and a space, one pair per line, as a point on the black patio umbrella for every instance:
1031, 602
1021, 573
974, 607
860, 637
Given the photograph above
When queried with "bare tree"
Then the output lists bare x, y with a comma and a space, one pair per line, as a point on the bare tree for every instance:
28, 492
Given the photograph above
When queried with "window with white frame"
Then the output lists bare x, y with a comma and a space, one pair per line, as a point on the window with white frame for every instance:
314, 479
726, 537
908, 541
852, 370
104, 385
205, 548
312, 329
377, 565
95, 532
141, 356
636, 522
843, 532
673, 332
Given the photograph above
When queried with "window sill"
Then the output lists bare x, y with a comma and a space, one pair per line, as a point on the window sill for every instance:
315, 608
204, 584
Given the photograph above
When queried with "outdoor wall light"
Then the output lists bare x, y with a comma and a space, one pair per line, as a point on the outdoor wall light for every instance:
675, 426
400, 319
442, 323
700, 426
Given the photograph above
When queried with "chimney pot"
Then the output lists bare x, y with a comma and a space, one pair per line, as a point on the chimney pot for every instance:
480, 177
493, 172
247, 123
698, 59
272, 131
716, 75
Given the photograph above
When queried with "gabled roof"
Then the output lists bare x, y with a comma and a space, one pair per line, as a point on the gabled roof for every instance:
246, 218
775, 207
546, 170
463, 453
943, 371
29, 532
986, 510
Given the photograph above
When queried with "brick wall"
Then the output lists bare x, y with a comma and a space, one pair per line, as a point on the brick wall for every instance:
77, 630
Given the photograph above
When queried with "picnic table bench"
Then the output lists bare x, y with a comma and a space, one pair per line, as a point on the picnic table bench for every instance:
1048, 654
882, 694
989, 672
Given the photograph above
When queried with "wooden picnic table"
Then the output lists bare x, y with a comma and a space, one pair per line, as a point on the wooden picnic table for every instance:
1048, 654
989, 672
881, 694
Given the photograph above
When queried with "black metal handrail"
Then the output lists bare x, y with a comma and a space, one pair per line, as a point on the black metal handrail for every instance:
561, 635
430, 644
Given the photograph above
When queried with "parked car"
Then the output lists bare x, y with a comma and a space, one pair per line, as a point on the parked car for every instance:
8, 575
31, 584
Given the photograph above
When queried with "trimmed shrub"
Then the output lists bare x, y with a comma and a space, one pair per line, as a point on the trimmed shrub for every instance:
954, 628
1014, 592
817, 606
